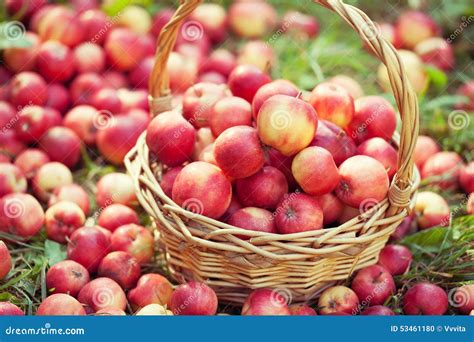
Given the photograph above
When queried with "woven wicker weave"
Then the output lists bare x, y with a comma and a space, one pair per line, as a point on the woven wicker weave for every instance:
302, 264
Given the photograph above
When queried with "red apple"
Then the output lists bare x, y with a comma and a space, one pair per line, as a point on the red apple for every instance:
252, 218
62, 145
24, 9
463, 298
278, 87
123, 49
338, 300
437, 52
245, 80
263, 189
116, 215
5, 260
258, 53
315, 171
287, 124
151, 289
55, 61
89, 57
202, 188
11, 179
193, 298
26, 89
62, 219
72, 193
31, 124
94, 25
212, 77
58, 97
300, 25
335, 140
220, 119
302, 310
107, 100
373, 285
182, 72
213, 20
348, 213
238, 152
135, 240
85, 121
20, 215
297, 213
425, 147
60, 304
425, 299
233, 207
102, 293
84, 86
121, 267
443, 169
378, 310
221, 61
349, 84
115, 79
115, 187
88, 246
466, 178
395, 258
332, 208
140, 76
9, 309
167, 181
160, 19
171, 138
382, 151
403, 228
62, 24
266, 302
414, 27
432, 210
374, 117
389, 32
466, 90
333, 103
67, 277
252, 19
19, 59
133, 100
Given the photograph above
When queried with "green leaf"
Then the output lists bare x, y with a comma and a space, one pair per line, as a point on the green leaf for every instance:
428, 241
54, 252
436, 76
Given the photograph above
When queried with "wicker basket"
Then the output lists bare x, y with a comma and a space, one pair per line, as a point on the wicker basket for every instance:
301, 264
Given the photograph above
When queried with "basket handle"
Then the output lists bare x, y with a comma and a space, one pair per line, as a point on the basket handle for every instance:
405, 97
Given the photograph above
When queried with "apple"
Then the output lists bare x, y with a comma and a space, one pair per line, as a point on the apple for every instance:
85, 121
297, 213
193, 298
432, 210
390, 33
102, 293
62, 145
121, 267
278, 87
245, 80
62, 219
263, 189
160, 19
403, 228
55, 61
266, 302
58, 97
331, 206
238, 152
338, 300
88, 246
466, 90
252, 19
300, 25
258, 53
466, 178
167, 180
373, 285
67, 277
287, 124
382, 151
212, 77
110, 312
140, 76
414, 68
182, 72
374, 117
24, 9
154, 310
414, 27
302, 310
119, 136
335, 140
73, 193
437, 52
123, 49
11, 179
395, 258
220, 119
115, 79
349, 84
151, 289
213, 19
333, 103
221, 61
135, 240
443, 168
202, 188
425, 147
116, 215
252, 218
378, 310
31, 124
5, 260
9, 145
134, 100
233, 207
135, 18
115, 187
362, 178
463, 299
60, 304
347, 214
89, 57
95, 25
26, 89
198, 101
106, 100
60, 23
84, 86
204, 138
20, 215
19, 59
315, 170
9, 309
425, 299
171, 138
